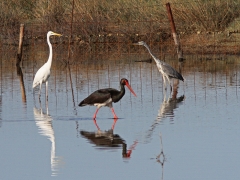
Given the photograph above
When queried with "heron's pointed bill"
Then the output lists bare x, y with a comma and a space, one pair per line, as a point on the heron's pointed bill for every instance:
135, 44
129, 87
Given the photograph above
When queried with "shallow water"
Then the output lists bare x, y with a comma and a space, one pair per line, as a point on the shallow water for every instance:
198, 123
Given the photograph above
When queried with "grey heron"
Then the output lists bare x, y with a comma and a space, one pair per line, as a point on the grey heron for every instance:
164, 68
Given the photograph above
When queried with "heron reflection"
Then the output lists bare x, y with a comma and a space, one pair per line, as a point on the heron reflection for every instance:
44, 124
107, 139
166, 109
169, 105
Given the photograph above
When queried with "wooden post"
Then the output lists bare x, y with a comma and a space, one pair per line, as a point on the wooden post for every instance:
175, 38
19, 53
70, 37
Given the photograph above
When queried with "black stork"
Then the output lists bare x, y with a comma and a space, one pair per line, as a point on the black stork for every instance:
105, 97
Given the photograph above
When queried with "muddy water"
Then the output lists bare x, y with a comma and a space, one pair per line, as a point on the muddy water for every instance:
192, 133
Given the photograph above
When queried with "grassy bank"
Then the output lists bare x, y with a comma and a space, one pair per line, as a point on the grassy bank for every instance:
133, 19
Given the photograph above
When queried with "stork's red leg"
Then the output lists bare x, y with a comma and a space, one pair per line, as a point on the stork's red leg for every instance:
114, 122
95, 114
95, 122
115, 116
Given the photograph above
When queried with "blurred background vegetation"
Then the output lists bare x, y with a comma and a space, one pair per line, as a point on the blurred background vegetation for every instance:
133, 19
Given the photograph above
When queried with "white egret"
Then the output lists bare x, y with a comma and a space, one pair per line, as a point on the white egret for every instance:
43, 73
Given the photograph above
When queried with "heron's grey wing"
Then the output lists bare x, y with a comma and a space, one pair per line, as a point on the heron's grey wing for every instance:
171, 72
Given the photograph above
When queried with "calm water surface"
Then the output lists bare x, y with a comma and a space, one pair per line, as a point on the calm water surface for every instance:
199, 123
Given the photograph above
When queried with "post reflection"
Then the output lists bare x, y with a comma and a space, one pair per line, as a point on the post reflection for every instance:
106, 140
1, 109
44, 124
161, 156
22, 87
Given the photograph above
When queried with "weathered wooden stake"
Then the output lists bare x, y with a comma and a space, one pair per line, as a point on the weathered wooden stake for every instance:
19, 53
70, 37
175, 37
69, 50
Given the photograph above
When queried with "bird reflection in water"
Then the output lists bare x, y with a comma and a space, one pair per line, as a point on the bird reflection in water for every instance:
108, 140
44, 124
169, 105
166, 109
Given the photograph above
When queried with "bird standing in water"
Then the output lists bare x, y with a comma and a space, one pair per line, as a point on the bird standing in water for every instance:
105, 97
43, 73
165, 69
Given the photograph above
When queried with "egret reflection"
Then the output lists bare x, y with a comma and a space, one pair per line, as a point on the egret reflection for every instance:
44, 124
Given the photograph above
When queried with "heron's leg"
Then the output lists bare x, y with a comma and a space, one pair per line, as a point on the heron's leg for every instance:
40, 104
164, 96
47, 107
47, 90
169, 81
164, 82
115, 116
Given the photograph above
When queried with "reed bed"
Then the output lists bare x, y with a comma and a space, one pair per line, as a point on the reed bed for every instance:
209, 23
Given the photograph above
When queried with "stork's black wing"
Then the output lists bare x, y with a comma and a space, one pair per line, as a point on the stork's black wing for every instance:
99, 96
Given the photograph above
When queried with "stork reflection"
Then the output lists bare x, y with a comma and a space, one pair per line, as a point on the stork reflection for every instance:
44, 124
107, 139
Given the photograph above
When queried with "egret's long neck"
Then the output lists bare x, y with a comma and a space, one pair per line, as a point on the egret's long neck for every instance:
155, 59
49, 62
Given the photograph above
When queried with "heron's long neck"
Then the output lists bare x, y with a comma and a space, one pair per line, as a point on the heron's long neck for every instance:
155, 59
49, 62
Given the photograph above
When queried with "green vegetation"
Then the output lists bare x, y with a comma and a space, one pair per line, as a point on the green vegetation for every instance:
122, 17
